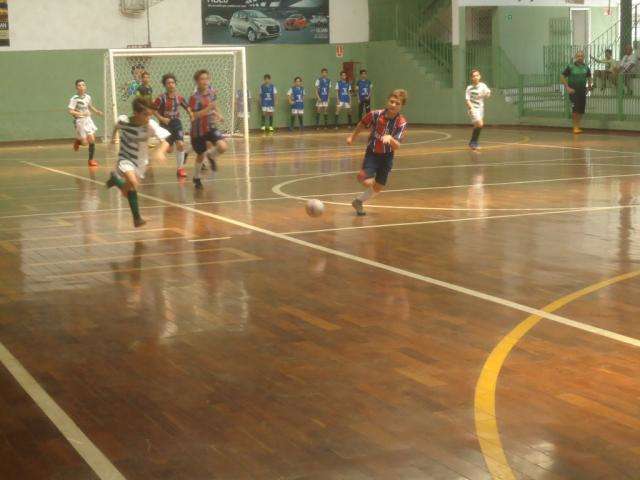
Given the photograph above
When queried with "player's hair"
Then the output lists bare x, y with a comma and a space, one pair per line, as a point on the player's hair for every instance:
363, 70
168, 76
474, 70
79, 80
342, 71
608, 50
324, 70
140, 104
137, 66
400, 94
267, 76
144, 73
297, 78
199, 73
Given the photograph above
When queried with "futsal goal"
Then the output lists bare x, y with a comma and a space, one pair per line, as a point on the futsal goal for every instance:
227, 66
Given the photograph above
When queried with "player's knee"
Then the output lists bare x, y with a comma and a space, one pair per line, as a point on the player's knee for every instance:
222, 146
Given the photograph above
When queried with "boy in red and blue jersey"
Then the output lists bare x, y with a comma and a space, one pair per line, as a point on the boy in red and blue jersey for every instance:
168, 112
206, 139
387, 131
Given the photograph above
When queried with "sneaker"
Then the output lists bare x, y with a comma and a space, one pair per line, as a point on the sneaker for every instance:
181, 173
203, 167
139, 221
271, 130
76, 146
198, 184
111, 182
291, 129
93, 163
358, 207
473, 145
577, 130
263, 128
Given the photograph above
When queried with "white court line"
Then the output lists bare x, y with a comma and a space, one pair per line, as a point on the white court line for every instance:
382, 266
566, 147
199, 240
465, 219
98, 462
277, 189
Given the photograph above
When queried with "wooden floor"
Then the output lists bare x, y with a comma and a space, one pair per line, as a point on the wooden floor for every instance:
482, 321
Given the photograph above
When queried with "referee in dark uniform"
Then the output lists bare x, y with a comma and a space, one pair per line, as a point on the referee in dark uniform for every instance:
576, 78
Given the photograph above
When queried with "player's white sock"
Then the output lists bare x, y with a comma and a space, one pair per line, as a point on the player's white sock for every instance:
197, 166
179, 158
368, 194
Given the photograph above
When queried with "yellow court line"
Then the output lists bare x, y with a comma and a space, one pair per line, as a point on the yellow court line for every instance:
485, 393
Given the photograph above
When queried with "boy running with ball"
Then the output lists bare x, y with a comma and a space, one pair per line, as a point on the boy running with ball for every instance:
133, 157
387, 131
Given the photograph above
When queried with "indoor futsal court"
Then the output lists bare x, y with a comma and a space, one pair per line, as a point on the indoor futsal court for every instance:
319, 240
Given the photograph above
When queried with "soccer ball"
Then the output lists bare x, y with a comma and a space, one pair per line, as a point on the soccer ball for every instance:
314, 208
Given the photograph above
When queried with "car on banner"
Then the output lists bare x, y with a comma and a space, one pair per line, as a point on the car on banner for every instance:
297, 21
319, 20
254, 25
216, 20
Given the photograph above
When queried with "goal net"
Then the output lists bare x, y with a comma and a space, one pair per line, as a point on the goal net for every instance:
227, 66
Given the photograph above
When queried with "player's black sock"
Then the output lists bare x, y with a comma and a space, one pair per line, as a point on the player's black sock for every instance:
293, 120
475, 135
301, 121
326, 120
350, 119
318, 119
132, 196
264, 124
271, 120
92, 150
337, 119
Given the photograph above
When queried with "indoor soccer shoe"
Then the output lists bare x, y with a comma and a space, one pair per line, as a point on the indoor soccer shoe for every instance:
198, 184
181, 173
139, 221
76, 146
93, 163
358, 207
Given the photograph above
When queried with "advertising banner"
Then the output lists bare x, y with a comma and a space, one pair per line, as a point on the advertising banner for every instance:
4, 23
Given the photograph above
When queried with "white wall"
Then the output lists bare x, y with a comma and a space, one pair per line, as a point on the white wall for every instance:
88, 24
349, 21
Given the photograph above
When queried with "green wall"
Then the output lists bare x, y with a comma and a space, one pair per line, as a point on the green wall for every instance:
36, 86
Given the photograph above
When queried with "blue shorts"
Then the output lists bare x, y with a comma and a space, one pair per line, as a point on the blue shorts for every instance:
199, 144
175, 129
377, 165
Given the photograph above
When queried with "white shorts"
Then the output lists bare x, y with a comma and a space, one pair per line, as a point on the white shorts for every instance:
320, 104
85, 127
267, 109
295, 111
346, 105
476, 115
125, 166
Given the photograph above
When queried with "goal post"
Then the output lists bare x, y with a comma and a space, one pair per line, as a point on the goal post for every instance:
227, 65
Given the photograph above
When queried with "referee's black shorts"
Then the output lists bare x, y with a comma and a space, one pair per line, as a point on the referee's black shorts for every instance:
578, 100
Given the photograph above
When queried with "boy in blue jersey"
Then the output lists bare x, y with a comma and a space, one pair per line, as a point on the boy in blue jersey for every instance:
364, 87
323, 87
343, 89
268, 99
296, 100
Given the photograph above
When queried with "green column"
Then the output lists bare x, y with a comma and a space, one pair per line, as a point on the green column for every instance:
459, 52
625, 24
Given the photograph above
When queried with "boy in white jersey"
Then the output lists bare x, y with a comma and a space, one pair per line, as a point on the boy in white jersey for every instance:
475, 95
133, 157
80, 108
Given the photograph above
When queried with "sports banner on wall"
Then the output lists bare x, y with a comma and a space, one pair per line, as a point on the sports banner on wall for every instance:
4, 23
233, 22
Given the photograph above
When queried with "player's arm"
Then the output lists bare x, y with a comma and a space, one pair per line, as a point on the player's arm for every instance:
161, 134
95, 110
395, 139
114, 134
563, 80
467, 98
363, 124
589, 79
318, 90
290, 97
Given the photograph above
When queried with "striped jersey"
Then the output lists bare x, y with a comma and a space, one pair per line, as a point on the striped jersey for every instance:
134, 138
380, 126
200, 126
81, 104
323, 86
476, 94
169, 106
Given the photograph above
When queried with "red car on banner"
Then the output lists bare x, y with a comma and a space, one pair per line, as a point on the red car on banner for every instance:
297, 21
